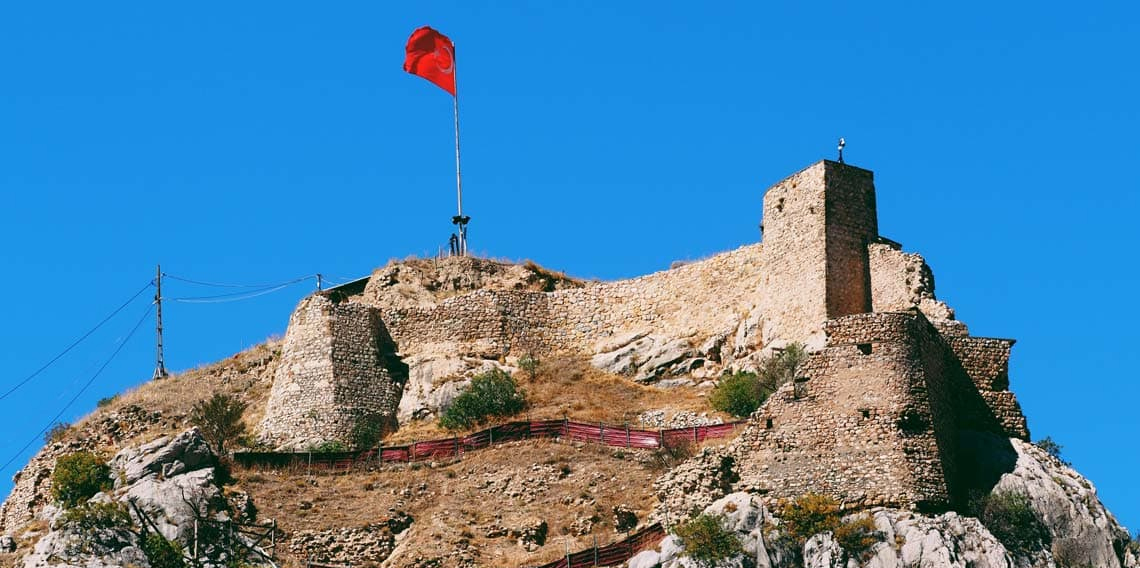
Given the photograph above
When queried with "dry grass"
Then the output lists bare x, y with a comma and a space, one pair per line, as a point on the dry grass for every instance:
247, 375
505, 485
567, 386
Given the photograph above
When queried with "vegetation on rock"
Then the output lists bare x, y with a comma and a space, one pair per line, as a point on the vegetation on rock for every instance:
56, 432
1011, 518
742, 392
162, 553
492, 394
220, 420
857, 536
78, 477
1051, 447
808, 515
707, 540
90, 517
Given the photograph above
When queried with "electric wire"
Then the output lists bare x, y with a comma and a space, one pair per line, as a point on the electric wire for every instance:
237, 296
222, 285
86, 385
75, 343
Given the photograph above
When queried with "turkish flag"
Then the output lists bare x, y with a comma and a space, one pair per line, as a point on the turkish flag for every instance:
431, 55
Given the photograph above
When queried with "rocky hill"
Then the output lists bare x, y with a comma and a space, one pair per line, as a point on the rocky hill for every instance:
895, 441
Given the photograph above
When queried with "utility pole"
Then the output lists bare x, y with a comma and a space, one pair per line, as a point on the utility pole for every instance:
160, 365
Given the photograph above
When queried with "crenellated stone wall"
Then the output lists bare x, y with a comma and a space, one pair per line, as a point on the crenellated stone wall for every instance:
338, 371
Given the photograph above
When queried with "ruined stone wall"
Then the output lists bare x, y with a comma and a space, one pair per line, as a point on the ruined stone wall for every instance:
865, 431
852, 223
338, 369
985, 361
695, 300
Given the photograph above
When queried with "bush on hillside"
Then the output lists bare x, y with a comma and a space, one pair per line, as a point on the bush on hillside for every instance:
1011, 518
492, 394
857, 536
808, 515
162, 553
781, 367
90, 518
707, 540
1051, 447
56, 432
738, 394
529, 364
219, 419
78, 477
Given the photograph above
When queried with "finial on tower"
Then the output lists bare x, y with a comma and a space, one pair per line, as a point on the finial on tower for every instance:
842, 143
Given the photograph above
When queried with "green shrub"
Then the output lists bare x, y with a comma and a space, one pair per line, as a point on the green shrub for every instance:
1051, 447
329, 447
738, 394
856, 537
707, 540
56, 432
809, 515
106, 401
162, 553
219, 419
780, 367
91, 517
492, 394
529, 364
78, 477
1011, 518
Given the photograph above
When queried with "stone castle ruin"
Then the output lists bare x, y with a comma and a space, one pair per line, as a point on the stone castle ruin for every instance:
882, 411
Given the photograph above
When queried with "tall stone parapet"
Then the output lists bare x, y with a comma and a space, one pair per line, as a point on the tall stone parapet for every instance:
339, 374
817, 226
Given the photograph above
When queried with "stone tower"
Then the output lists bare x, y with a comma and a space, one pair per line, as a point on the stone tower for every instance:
817, 225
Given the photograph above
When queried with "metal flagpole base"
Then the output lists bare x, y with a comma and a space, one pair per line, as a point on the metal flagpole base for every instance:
461, 222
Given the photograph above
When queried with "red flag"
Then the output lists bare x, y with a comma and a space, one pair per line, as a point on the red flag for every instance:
431, 55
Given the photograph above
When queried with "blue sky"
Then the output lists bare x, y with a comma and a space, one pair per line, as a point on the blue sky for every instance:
266, 141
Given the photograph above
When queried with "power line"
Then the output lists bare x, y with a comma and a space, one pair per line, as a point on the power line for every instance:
81, 390
222, 285
77, 342
237, 296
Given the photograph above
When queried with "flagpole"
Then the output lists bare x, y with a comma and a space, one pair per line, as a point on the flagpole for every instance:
459, 219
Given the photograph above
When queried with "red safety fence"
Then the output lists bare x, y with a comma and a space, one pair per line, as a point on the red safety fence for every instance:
611, 554
616, 436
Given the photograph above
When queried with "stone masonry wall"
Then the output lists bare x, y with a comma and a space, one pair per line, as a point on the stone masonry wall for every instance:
793, 297
852, 223
985, 361
338, 369
696, 300
865, 431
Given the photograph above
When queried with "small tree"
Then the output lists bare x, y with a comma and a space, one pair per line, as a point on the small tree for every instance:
56, 432
781, 367
738, 394
78, 477
857, 536
492, 394
809, 515
707, 540
1051, 447
529, 364
219, 418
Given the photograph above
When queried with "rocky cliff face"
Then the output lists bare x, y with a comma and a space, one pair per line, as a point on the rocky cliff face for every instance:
1080, 531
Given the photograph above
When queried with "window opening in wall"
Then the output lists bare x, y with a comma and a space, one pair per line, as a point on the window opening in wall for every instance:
866, 412
801, 387
865, 348
780, 205
768, 423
